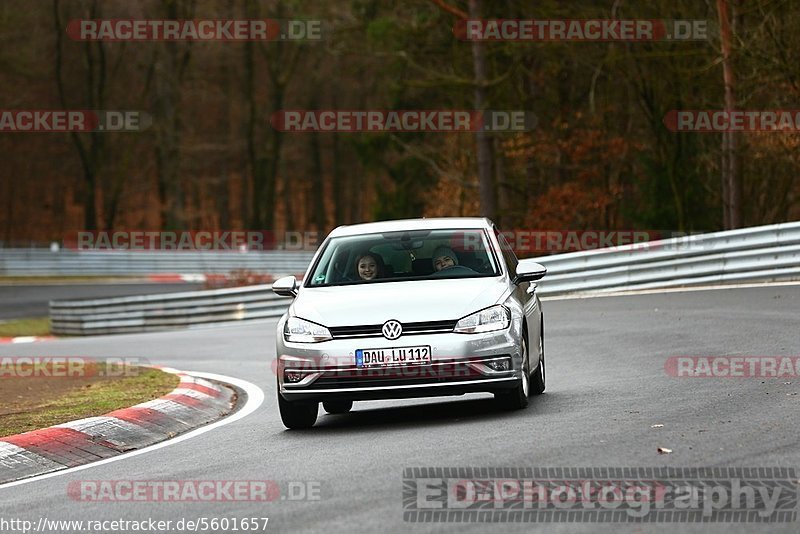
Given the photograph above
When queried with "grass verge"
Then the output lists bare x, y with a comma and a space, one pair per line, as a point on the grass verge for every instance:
36, 326
29, 405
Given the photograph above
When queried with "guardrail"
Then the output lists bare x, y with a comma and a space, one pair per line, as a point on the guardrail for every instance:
767, 253
764, 253
150, 313
66, 262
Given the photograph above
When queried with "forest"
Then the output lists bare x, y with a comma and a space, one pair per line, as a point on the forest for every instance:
601, 155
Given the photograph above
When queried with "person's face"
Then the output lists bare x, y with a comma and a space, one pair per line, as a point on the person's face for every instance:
443, 262
367, 268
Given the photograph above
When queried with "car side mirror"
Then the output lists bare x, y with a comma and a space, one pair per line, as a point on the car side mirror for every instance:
529, 271
285, 287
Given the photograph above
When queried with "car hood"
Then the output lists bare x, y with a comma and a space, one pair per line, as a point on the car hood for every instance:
411, 301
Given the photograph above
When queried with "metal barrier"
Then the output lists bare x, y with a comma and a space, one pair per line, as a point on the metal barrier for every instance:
764, 253
767, 253
150, 313
66, 262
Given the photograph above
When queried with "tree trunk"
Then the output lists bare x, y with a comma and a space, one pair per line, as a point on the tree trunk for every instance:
482, 139
255, 219
318, 185
730, 168
170, 64
95, 89
502, 217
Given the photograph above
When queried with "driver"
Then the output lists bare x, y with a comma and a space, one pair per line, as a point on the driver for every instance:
443, 258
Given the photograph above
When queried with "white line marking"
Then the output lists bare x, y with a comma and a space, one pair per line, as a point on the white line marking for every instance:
24, 339
634, 292
255, 397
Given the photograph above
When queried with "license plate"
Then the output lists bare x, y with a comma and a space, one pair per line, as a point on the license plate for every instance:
393, 356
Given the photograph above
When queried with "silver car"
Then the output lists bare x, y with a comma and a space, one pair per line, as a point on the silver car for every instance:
410, 308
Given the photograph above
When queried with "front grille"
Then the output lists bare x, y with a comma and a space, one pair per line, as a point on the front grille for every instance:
395, 376
374, 330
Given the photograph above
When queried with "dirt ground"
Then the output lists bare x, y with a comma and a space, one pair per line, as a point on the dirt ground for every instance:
48, 393
21, 394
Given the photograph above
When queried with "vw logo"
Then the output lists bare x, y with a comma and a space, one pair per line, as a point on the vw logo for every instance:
392, 329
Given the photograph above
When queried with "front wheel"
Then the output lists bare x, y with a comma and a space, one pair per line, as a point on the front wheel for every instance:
517, 398
297, 415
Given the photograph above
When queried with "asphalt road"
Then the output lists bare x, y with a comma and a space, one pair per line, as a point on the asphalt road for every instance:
606, 386
23, 300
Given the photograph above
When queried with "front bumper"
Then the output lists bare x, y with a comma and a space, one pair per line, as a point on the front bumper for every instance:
459, 364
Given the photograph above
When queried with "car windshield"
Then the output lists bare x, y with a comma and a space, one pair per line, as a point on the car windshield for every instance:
404, 255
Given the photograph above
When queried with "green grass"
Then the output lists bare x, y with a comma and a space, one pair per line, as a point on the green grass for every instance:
91, 400
36, 326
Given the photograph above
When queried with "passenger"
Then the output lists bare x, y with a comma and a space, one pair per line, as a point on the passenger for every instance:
443, 258
369, 266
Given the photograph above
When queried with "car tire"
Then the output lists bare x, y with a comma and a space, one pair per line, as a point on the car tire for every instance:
538, 378
297, 415
337, 406
517, 398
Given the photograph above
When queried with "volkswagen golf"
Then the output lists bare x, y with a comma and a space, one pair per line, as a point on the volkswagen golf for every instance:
409, 308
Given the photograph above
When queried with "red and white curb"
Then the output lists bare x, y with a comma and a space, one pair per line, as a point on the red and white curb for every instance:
25, 339
195, 402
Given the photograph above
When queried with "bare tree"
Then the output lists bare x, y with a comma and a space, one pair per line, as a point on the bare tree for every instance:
263, 143
731, 195
89, 152
483, 141
167, 72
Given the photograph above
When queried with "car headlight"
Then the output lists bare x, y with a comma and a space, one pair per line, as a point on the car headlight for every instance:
494, 318
301, 331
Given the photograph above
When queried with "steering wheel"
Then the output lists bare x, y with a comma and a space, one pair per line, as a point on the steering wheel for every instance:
451, 269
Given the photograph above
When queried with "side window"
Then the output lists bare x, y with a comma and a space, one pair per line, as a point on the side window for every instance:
508, 253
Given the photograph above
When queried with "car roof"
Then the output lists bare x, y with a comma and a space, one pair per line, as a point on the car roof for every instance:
435, 223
